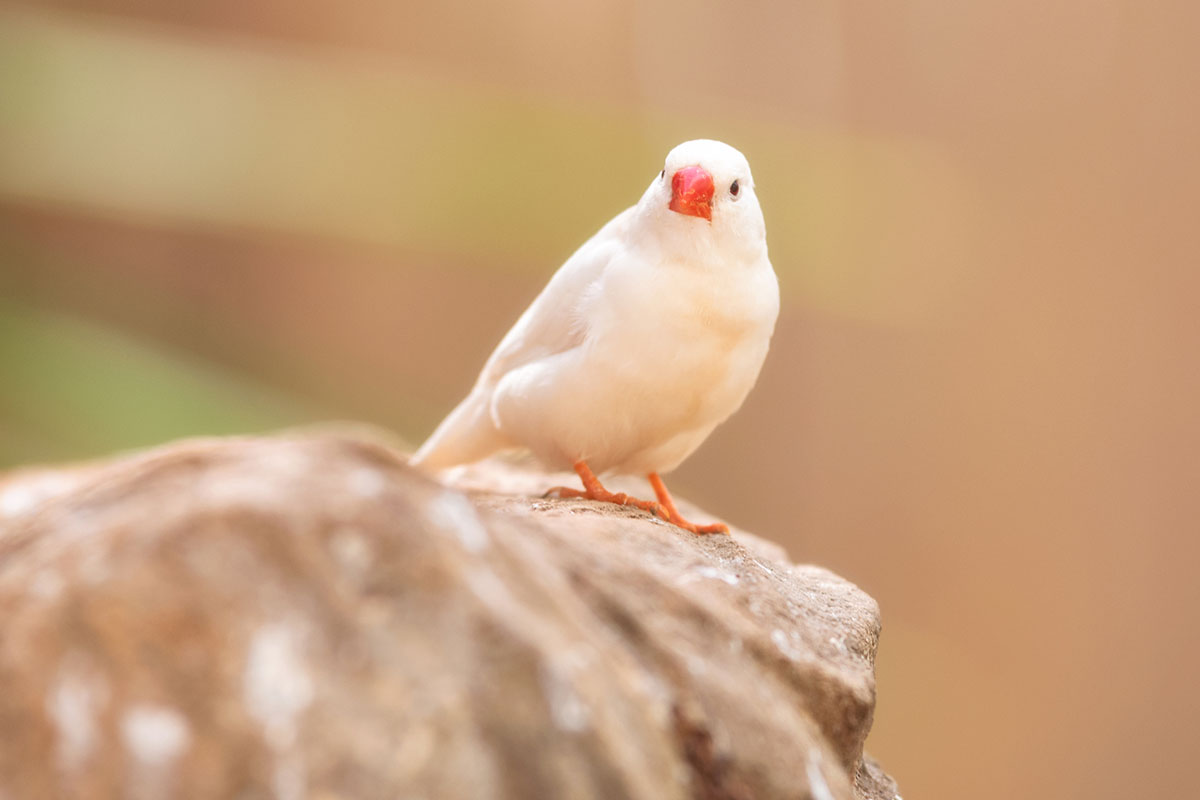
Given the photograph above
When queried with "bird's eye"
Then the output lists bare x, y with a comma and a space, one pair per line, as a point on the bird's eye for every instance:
734, 189
662, 174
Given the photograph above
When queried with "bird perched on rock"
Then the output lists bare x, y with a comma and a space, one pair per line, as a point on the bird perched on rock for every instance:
646, 339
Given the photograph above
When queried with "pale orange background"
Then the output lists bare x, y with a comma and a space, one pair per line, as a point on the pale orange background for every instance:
981, 401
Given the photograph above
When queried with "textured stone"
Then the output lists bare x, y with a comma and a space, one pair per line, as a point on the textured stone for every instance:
305, 616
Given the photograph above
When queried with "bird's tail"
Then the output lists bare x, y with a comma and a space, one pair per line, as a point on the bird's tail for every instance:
467, 434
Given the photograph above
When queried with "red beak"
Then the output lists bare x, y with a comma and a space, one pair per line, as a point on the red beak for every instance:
692, 192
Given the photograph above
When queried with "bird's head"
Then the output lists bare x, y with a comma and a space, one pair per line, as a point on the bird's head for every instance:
705, 195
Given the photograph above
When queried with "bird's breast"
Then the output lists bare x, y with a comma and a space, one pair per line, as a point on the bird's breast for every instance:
719, 307
693, 344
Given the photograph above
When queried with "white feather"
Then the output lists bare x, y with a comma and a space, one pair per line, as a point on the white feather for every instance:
646, 339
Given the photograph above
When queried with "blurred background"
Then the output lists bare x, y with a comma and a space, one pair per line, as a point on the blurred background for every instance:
981, 400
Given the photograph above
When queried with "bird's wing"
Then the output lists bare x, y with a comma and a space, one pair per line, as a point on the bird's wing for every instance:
552, 323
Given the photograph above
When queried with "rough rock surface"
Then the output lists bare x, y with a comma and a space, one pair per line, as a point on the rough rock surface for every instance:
306, 616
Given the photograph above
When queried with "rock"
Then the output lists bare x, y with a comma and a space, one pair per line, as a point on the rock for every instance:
306, 616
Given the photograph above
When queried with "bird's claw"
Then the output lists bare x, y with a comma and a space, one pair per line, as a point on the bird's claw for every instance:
663, 509
716, 527
605, 496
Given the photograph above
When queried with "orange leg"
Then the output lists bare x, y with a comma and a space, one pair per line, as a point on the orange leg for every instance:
594, 490
673, 515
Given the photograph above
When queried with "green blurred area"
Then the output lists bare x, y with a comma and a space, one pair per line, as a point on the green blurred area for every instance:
75, 389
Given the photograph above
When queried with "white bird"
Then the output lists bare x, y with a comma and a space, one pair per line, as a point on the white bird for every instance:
647, 338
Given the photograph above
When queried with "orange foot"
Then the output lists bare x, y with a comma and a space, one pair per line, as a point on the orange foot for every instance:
594, 490
672, 513
665, 507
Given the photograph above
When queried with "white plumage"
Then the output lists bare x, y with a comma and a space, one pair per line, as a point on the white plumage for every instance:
647, 338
